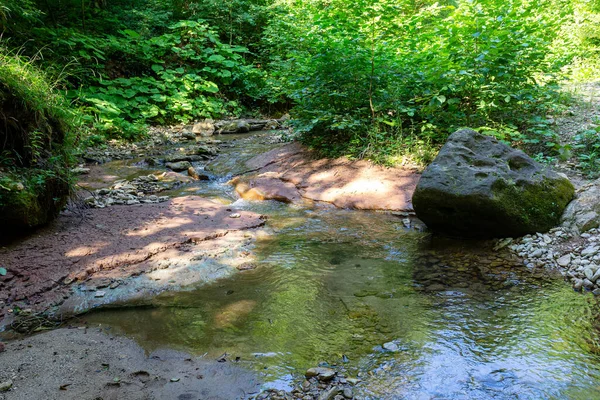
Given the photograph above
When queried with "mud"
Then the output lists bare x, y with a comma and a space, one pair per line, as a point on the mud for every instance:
89, 363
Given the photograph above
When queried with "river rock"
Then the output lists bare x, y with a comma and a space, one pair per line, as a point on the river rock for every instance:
322, 373
390, 346
564, 261
193, 173
330, 394
480, 187
5, 386
206, 151
204, 128
583, 213
238, 126
179, 166
589, 251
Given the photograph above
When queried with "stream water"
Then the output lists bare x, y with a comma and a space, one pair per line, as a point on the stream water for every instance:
460, 321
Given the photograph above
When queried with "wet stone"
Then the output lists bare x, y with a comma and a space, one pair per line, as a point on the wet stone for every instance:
322, 373
178, 166
390, 346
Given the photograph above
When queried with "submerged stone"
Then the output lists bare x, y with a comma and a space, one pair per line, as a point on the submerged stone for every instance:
480, 187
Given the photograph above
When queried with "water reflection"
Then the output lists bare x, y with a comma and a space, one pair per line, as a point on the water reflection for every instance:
333, 283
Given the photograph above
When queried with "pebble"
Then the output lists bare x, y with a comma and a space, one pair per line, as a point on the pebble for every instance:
579, 261
589, 251
564, 261
330, 394
538, 253
100, 293
5, 386
589, 273
390, 346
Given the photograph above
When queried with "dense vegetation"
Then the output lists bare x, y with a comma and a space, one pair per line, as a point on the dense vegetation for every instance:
381, 79
35, 147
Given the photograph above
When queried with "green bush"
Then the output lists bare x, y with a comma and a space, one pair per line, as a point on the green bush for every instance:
372, 77
186, 74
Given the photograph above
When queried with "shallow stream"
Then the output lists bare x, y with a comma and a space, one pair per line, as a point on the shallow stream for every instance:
458, 321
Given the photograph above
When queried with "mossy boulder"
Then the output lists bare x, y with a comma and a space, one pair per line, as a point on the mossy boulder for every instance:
30, 199
479, 187
35, 147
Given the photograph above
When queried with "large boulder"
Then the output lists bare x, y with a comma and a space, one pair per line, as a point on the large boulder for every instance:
480, 187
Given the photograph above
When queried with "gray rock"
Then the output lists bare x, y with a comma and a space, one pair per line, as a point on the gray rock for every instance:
589, 273
348, 393
238, 126
322, 373
537, 254
330, 394
271, 125
5, 386
479, 187
564, 261
173, 158
390, 346
589, 251
179, 166
583, 213
206, 151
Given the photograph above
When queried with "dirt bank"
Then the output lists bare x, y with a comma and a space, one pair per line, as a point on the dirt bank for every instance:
292, 173
90, 364
122, 252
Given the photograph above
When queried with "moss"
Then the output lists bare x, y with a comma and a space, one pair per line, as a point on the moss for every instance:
31, 197
35, 151
537, 207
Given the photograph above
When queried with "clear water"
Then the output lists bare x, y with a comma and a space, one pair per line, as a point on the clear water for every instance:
334, 285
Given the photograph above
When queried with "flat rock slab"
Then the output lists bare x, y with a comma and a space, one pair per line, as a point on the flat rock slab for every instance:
114, 242
341, 182
89, 364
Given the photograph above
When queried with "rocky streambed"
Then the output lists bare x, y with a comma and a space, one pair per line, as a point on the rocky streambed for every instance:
260, 293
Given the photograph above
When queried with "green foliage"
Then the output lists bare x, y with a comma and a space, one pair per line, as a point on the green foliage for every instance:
185, 74
386, 79
388, 69
586, 147
35, 152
